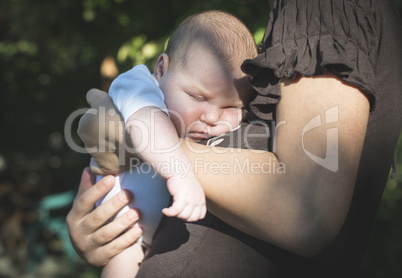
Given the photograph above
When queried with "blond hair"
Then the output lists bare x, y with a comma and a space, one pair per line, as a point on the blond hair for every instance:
227, 38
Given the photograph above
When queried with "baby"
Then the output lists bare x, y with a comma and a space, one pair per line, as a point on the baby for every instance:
197, 91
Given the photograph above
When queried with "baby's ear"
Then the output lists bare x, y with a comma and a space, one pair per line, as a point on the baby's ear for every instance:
162, 66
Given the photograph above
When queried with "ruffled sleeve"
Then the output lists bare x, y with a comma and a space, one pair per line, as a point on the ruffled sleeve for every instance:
308, 36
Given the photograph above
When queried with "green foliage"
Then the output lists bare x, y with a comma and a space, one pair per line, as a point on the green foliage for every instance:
141, 51
384, 252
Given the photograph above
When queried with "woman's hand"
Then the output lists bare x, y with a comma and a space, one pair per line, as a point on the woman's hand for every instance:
94, 241
102, 131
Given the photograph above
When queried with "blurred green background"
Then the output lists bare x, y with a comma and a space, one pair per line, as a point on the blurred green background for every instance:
51, 53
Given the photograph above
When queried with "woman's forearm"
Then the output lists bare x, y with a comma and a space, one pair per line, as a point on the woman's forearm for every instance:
252, 192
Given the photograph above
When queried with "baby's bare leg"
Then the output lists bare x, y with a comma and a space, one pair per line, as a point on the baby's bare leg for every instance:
125, 264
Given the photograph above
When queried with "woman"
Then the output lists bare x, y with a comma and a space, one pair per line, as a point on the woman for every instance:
325, 74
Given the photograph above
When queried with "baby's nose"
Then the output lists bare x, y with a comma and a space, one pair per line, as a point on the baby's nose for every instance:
211, 116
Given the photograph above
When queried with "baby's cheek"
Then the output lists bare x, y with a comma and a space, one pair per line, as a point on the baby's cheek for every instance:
233, 117
219, 130
229, 120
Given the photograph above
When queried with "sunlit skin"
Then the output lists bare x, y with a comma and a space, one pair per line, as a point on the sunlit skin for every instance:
203, 99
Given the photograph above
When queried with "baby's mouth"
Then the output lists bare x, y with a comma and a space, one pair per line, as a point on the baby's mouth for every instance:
198, 136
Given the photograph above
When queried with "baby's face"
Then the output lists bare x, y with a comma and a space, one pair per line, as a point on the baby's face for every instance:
203, 99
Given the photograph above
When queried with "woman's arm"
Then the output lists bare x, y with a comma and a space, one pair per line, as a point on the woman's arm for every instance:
303, 208
298, 204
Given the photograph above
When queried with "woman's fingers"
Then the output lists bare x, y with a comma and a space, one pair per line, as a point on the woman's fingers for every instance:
94, 95
114, 237
88, 194
115, 228
107, 210
101, 256
80, 208
87, 180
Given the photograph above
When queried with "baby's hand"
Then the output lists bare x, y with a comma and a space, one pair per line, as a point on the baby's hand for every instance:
188, 198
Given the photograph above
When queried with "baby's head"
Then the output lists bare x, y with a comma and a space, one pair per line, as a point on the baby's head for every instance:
200, 74
224, 35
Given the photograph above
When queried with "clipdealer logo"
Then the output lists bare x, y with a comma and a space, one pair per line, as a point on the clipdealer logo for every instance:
330, 161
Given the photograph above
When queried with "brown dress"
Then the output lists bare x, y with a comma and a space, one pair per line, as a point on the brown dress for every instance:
359, 41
